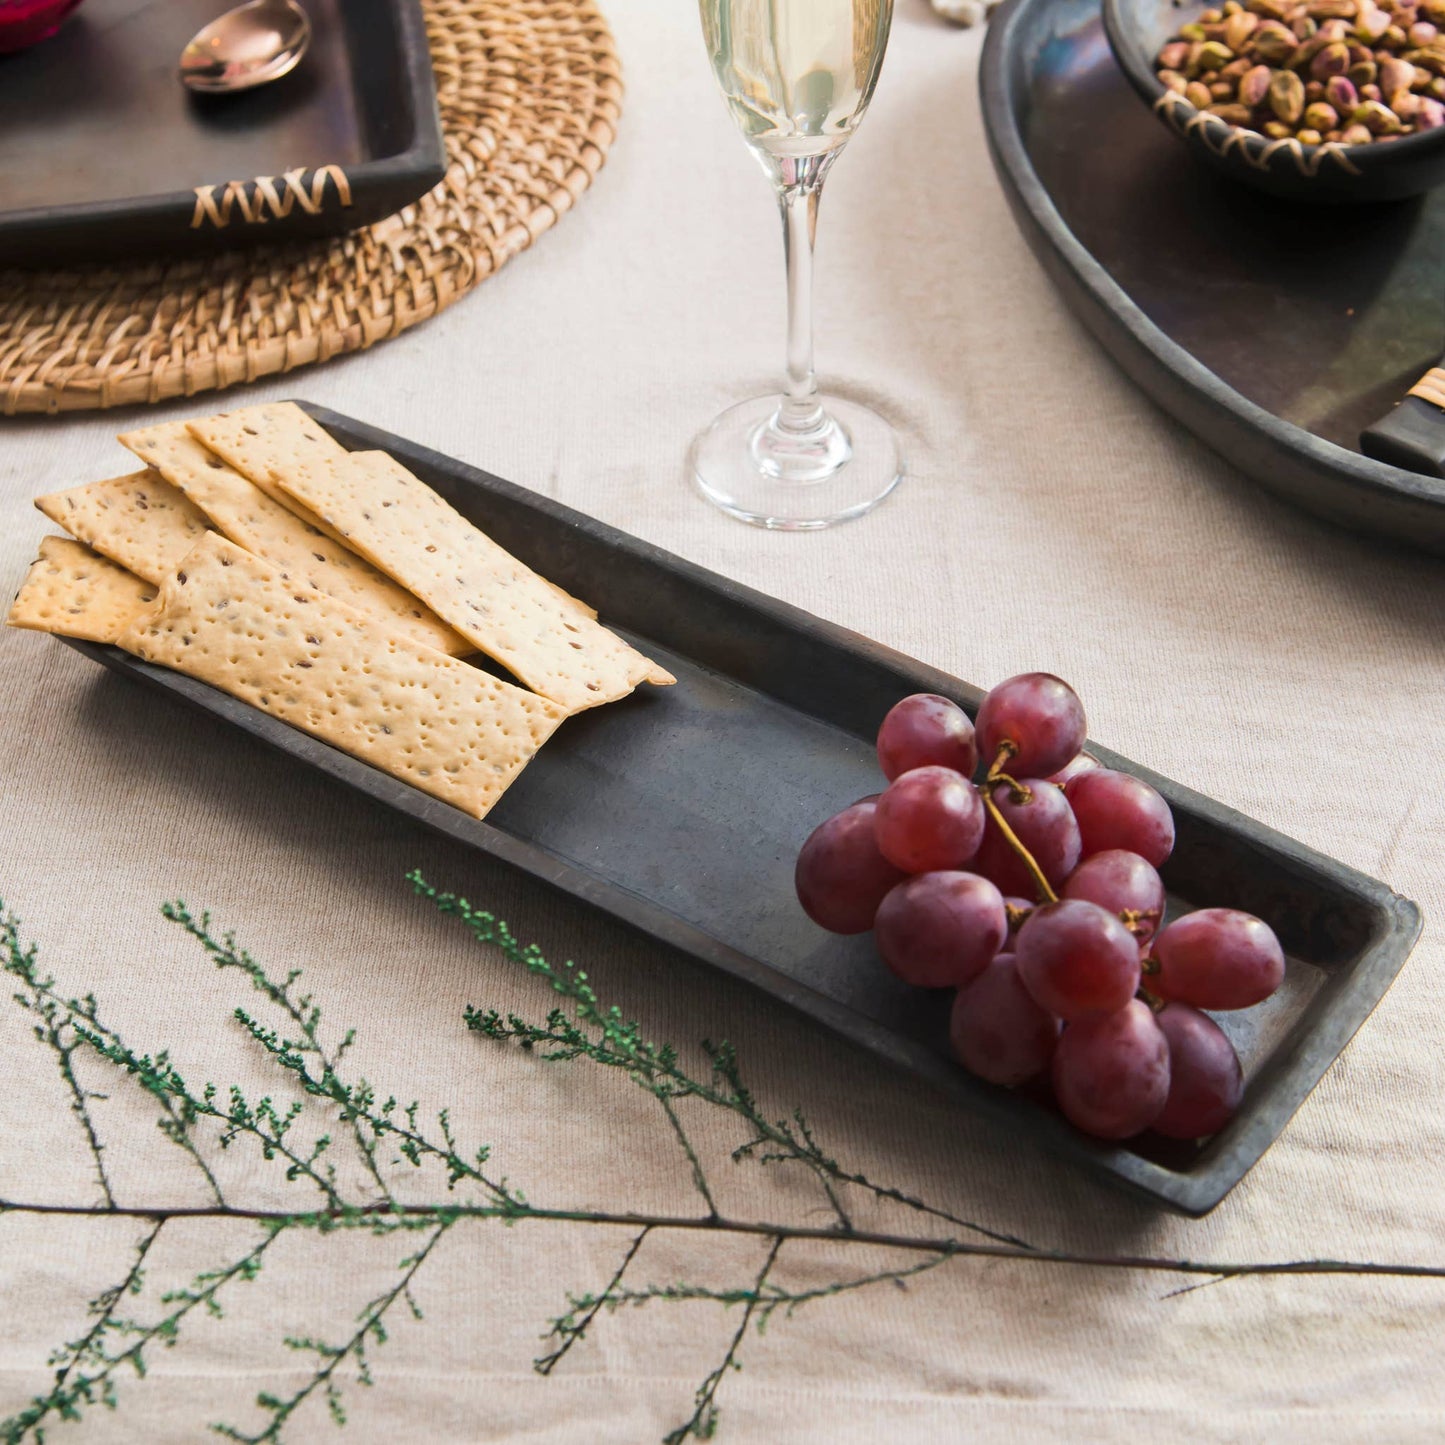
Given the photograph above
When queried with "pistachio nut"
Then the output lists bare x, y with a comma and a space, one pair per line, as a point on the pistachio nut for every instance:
1231, 113
1364, 73
1302, 26
1369, 92
1271, 9
1395, 74
1320, 116
1431, 116
1238, 29
1214, 56
1330, 9
1274, 43
1308, 49
1175, 55
1422, 32
1212, 17
1356, 135
1372, 23
1308, 137
1254, 86
1172, 80
1197, 94
1394, 37
1376, 118
1429, 57
1406, 105
1193, 33
1287, 96
1341, 94
1334, 59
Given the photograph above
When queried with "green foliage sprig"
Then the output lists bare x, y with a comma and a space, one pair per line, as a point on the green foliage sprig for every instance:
384, 1136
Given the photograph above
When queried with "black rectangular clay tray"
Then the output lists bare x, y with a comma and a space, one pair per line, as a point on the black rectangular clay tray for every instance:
104, 154
681, 810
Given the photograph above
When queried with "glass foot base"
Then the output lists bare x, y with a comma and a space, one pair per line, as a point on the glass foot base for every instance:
796, 481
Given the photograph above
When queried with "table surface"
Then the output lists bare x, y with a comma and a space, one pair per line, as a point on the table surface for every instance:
1051, 519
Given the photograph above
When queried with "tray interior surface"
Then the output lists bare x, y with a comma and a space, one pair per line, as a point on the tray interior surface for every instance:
97, 114
1323, 315
682, 810
708, 791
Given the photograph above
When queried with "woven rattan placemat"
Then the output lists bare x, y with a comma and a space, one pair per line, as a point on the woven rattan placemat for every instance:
529, 93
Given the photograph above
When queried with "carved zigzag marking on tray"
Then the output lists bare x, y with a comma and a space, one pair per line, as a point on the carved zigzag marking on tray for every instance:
267, 197
1220, 138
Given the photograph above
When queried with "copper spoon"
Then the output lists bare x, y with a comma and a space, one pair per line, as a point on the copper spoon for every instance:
248, 46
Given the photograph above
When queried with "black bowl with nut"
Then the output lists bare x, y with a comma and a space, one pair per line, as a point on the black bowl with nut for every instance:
1317, 100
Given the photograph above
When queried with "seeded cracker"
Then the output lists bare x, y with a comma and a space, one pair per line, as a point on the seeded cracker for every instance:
75, 592
266, 442
266, 433
243, 625
140, 521
239, 510
399, 523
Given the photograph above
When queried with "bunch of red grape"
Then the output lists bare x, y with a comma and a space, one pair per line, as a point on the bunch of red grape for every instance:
1036, 895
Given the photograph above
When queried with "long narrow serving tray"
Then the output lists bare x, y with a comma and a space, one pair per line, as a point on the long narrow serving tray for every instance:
103, 153
1275, 331
681, 811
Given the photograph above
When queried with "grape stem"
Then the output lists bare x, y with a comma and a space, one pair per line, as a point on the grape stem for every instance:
1012, 839
1018, 792
1017, 917
1148, 967
1136, 919
1006, 750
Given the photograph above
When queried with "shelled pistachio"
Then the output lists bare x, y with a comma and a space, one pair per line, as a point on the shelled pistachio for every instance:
1357, 72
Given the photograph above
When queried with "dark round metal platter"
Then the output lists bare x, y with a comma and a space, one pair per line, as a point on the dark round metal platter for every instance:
1275, 331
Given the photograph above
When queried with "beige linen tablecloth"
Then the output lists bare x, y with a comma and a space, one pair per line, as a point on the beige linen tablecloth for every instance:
1051, 519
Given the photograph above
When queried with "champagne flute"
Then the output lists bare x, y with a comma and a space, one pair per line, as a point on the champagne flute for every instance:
797, 76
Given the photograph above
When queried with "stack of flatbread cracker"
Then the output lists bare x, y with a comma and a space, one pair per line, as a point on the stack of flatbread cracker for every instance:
332, 589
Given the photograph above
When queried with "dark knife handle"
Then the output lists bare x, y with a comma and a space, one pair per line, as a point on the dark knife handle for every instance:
1412, 434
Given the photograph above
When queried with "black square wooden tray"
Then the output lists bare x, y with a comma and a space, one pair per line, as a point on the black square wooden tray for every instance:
681, 810
103, 153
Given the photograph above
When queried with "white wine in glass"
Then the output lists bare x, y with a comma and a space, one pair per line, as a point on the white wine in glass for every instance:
797, 76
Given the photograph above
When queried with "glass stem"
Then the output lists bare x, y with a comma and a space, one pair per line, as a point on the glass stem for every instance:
800, 187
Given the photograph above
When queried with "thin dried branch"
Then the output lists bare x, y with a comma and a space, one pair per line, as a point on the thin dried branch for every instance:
371, 1327
570, 1328
585, 1031
703, 1422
